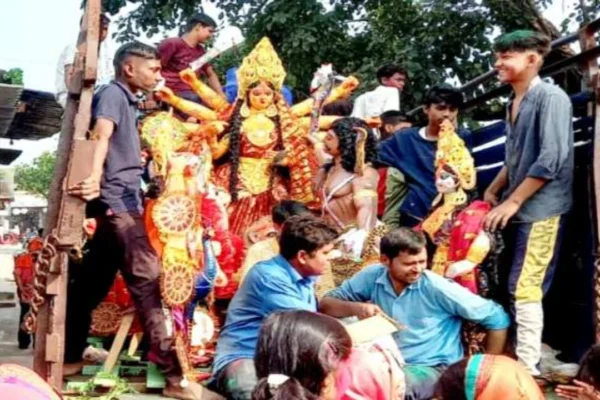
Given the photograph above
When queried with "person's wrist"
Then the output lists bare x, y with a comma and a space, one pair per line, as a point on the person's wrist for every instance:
96, 175
492, 190
515, 200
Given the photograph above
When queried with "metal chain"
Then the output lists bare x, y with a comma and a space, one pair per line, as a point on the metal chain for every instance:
42, 269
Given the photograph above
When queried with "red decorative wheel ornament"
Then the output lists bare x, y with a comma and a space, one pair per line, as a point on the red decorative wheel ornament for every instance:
106, 319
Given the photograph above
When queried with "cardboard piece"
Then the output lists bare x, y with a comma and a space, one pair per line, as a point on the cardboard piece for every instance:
372, 328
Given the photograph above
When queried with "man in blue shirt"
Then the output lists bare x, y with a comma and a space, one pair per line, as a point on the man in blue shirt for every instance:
430, 306
537, 180
285, 282
412, 152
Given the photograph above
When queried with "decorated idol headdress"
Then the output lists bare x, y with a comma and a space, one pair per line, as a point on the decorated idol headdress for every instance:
262, 64
452, 152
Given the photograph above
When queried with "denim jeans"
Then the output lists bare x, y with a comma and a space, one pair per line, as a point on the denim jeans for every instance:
237, 380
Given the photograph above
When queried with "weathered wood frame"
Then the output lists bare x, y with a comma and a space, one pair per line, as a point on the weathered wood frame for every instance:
66, 213
591, 82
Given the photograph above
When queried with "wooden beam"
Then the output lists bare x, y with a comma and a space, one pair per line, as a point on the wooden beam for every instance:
65, 213
586, 56
136, 339
591, 82
473, 84
119, 341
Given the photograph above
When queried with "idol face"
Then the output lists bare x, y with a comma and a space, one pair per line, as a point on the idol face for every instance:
261, 96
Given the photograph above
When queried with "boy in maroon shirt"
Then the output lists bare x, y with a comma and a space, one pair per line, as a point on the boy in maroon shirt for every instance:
177, 53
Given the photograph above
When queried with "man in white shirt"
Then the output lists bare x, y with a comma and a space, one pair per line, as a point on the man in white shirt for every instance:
385, 97
64, 68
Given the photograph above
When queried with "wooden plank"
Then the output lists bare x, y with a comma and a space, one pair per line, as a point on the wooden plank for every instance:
587, 41
117, 345
73, 210
64, 212
136, 339
596, 174
53, 284
40, 365
92, 43
53, 353
60, 167
57, 323
591, 82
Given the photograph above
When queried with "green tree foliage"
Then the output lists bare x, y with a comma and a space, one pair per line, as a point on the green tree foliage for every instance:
12, 76
435, 40
37, 176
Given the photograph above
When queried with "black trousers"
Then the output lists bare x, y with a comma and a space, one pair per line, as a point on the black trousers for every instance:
23, 337
120, 243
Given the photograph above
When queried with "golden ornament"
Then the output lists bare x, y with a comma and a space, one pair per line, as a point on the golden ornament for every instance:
255, 174
262, 64
174, 214
259, 130
177, 284
453, 152
182, 351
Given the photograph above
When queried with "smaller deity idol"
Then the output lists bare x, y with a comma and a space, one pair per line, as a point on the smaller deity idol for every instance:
465, 251
188, 227
348, 190
455, 226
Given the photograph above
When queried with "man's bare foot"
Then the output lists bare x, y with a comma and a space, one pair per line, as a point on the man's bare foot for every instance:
72, 368
193, 391
94, 355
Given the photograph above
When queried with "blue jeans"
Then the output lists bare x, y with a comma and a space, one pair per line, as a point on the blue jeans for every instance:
421, 381
237, 380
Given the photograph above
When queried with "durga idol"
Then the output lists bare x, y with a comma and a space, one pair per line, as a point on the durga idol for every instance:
259, 137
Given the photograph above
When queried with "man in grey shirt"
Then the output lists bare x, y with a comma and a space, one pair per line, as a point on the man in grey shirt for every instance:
537, 180
121, 242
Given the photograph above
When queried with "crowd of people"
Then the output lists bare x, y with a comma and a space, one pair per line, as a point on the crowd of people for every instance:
368, 216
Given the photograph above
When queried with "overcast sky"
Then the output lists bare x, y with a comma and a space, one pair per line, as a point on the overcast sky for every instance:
34, 32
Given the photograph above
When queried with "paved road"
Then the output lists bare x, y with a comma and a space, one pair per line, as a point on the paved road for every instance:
9, 317
9, 326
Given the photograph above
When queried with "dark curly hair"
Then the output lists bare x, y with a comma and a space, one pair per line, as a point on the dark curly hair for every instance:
345, 131
235, 139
